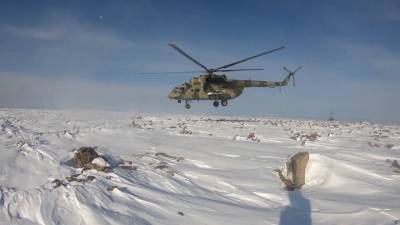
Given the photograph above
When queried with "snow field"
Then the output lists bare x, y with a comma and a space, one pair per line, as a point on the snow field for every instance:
209, 174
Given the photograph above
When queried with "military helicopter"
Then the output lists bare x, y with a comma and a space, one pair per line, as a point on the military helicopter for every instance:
211, 86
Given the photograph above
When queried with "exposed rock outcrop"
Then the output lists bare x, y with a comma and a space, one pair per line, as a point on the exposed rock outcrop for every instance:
293, 176
84, 156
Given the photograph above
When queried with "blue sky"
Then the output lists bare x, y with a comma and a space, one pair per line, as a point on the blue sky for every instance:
87, 55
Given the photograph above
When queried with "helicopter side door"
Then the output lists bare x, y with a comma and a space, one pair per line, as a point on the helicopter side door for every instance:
197, 87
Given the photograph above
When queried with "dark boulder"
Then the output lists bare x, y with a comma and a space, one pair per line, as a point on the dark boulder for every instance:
84, 156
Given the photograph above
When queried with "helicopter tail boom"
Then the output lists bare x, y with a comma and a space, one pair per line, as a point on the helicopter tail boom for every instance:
271, 84
258, 83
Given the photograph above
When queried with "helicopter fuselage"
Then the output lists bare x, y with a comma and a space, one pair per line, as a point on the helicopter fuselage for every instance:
204, 87
216, 87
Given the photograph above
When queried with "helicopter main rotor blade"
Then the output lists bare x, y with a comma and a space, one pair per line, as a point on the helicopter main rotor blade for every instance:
188, 56
173, 72
246, 59
234, 70
186, 72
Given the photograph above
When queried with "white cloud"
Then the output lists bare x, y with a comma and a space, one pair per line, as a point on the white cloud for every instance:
39, 33
371, 58
59, 26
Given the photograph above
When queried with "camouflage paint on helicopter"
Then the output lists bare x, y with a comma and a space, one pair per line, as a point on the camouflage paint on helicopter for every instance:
218, 87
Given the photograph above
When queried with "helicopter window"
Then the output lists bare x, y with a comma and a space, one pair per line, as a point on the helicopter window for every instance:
181, 90
217, 79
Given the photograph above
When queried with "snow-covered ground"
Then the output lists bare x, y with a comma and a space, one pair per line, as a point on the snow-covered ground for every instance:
194, 170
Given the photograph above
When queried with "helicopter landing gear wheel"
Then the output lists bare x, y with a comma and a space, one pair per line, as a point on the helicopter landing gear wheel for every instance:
215, 103
187, 106
179, 101
224, 102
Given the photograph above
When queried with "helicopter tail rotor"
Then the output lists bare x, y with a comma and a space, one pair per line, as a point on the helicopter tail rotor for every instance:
292, 73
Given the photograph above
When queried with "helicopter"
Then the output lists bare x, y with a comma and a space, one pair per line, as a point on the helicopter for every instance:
217, 87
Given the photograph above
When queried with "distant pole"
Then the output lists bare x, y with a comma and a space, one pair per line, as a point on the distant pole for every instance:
331, 118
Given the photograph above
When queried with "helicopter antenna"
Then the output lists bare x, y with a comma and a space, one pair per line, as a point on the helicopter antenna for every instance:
248, 58
189, 57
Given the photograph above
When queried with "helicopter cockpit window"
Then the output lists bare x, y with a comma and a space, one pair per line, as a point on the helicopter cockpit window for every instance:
181, 90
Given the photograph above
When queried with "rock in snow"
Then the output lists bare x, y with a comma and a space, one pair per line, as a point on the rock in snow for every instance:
298, 166
84, 156
295, 171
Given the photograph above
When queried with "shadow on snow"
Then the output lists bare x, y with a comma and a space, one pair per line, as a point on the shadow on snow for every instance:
298, 211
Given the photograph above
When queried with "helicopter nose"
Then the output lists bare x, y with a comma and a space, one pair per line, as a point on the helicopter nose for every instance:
171, 95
